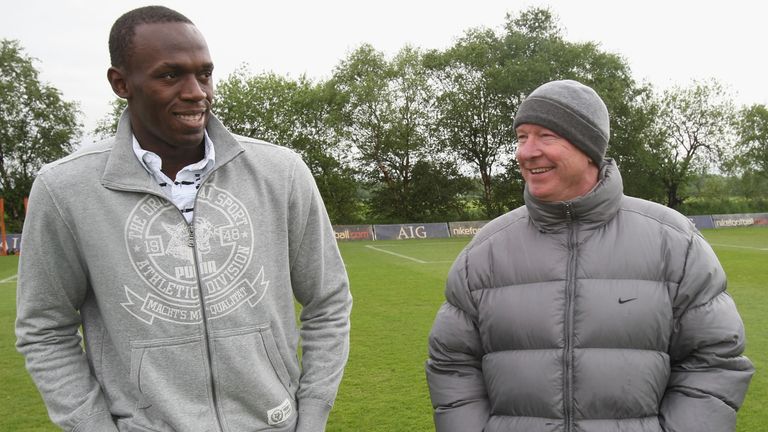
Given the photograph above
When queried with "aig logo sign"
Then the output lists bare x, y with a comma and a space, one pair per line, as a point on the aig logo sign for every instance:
411, 231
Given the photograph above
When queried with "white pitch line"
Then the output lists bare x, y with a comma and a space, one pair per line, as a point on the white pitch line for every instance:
739, 247
8, 279
397, 254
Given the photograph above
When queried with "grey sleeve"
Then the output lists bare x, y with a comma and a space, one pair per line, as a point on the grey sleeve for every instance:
320, 285
709, 374
454, 368
51, 287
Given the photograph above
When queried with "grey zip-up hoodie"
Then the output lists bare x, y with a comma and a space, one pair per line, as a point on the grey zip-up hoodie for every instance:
602, 314
186, 328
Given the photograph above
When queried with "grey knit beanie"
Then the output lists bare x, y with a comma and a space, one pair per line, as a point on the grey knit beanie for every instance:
571, 110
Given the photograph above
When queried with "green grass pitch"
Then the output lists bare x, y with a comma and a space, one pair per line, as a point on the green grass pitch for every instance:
397, 288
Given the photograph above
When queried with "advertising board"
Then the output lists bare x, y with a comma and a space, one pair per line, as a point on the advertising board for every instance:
411, 231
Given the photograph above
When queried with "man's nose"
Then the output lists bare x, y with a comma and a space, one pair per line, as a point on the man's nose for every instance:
193, 90
530, 149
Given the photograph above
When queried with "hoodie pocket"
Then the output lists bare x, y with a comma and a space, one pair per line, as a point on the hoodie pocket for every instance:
253, 386
173, 378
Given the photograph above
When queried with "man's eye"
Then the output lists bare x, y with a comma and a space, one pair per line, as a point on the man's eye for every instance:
169, 75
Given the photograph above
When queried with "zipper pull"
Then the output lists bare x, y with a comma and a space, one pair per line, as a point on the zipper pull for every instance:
568, 212
191, 238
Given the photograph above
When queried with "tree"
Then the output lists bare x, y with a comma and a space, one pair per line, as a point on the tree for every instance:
475, 116
299, 114
536, 52
752, 144
508, 187
107, 126
438, 190
435, 194
36, 127
633, 128
387, 117
751, 187
694, 126
485, 76
259, 106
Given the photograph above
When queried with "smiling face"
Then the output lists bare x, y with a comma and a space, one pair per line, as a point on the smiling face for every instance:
553, 168
167, 82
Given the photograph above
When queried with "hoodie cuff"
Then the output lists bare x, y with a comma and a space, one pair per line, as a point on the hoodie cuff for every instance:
313, 414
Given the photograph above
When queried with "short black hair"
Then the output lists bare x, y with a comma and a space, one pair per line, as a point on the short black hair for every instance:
123, 30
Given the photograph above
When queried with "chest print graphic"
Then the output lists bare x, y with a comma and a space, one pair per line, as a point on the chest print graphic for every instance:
163, 254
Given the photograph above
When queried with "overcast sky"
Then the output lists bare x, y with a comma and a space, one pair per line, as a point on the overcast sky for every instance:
668, 43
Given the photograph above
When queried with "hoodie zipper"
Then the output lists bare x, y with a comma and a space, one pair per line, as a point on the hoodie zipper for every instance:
570, 293
191, 241
192, 244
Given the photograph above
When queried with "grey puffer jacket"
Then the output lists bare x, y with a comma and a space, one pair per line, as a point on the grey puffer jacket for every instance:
605, 313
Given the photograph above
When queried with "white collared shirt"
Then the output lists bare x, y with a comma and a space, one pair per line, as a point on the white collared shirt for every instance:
183, 190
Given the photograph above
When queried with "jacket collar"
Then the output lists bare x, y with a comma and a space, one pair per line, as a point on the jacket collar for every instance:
590, 211
124, 171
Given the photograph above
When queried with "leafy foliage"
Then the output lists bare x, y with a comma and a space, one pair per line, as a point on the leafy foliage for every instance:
434, 195
475, 114
720, 194
485, 76
299, 114
387, 116
36, 127
752, 145
107, 126
428, 135
694, 126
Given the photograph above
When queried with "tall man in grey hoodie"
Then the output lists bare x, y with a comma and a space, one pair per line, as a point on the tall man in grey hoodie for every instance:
179, 249
584, 310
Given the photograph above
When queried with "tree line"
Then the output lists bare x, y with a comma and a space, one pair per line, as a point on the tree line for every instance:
426, 135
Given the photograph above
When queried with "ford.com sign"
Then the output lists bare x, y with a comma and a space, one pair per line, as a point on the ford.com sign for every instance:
411, 231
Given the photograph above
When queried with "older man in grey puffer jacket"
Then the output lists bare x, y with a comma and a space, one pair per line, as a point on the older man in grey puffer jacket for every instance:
585, 310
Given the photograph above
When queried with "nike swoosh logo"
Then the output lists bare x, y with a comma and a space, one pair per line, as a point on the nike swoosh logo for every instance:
622, 301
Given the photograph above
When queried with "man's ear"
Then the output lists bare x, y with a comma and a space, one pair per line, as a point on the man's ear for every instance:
117, 80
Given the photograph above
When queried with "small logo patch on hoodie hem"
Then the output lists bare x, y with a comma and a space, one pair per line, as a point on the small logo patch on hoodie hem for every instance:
280, 414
